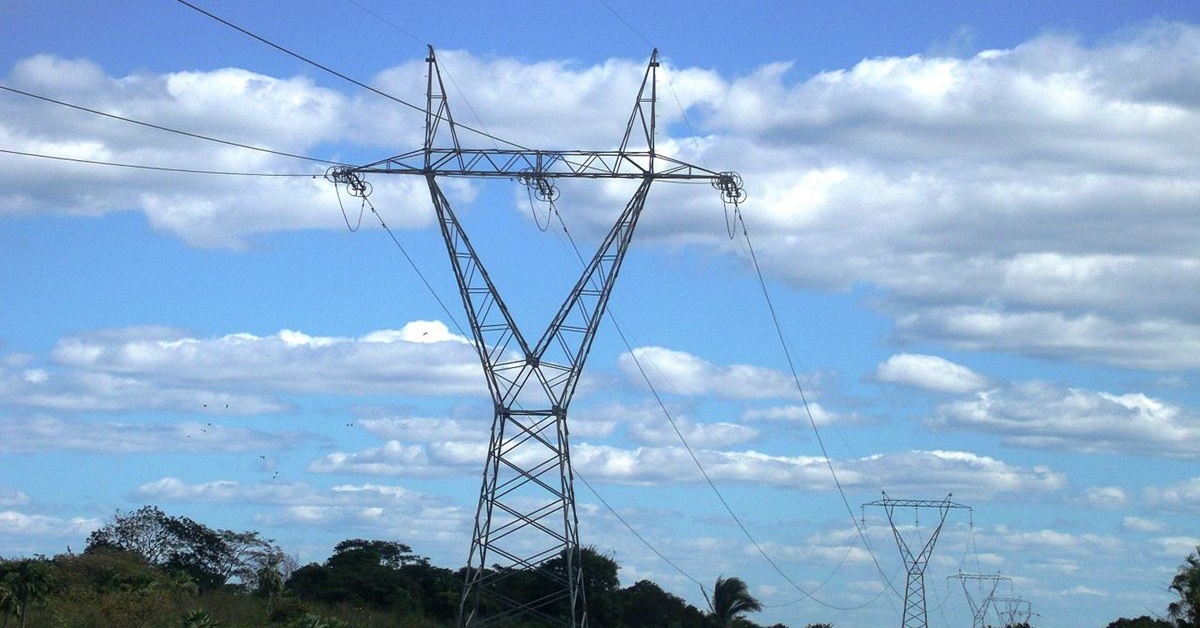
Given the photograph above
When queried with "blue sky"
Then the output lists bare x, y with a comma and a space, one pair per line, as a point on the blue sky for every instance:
977, 222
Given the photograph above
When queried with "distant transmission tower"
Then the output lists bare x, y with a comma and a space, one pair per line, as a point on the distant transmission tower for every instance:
915, 615
1012, 611
525, 521
979, 608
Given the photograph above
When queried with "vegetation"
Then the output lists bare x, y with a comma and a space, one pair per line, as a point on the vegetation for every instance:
148, 569
730, 600
1141, 622
1186, 610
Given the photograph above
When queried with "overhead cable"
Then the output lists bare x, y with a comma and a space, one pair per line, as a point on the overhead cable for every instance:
169, 129
97, 162
704, 473
808, 410
340, 75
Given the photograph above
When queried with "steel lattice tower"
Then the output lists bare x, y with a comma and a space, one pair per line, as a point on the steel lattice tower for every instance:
979, 609
526, 521
915, 615
1012, 611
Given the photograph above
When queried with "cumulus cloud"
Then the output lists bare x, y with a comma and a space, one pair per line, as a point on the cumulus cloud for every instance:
1181, 497
682, 373
961, 472
814, 411
40, 434
1139, 524
930, 373
372, 506
406, 459
19, 524
1176, 546
990, 197
1053, 542
1106, 497
12, 497
1008, 200
210, 211
137, 368
1039, 415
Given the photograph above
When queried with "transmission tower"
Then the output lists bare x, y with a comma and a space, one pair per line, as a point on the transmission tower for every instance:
915, 615
526, 522
979, 608
1012, 611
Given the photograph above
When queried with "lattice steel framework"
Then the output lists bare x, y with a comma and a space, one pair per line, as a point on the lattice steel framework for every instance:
1012, 611
915, 614
979, 608
526, 519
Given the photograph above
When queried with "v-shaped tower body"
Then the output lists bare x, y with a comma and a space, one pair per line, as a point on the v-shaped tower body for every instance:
524, 566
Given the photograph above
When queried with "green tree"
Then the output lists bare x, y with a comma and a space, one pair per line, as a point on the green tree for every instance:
362, 573
211, 558
731, 599
269, 584
26, 583
1145, 621
647, 605
245, 555
198, 618
1186, 610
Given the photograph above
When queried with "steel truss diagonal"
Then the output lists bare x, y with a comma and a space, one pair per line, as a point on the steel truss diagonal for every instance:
915, 614
525, 563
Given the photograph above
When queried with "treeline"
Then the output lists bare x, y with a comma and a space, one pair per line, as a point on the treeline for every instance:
147, 568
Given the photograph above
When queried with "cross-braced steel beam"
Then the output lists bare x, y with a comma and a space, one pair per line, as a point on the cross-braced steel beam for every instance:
524, 566
915, 614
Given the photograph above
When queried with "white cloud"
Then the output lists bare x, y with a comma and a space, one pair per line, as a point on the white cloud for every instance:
412, 460
388, 508
682, 373
1054, 542
12, 497
1106, 497
957, 471
813, 410
1139, 524
1177, 546
114, 437
1181, 497
930, 373
19, 524
163, 368
989, 199
1039, 415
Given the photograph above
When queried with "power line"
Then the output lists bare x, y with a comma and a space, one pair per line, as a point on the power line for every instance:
96, 162
696, 460
385, 21
169, 129
808, 410
340, 75
641, 538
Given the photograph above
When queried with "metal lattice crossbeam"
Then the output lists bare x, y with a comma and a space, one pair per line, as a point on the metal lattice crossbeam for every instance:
524, 564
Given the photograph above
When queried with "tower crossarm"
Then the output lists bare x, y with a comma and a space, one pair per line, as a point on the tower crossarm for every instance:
916, 503
559, 164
